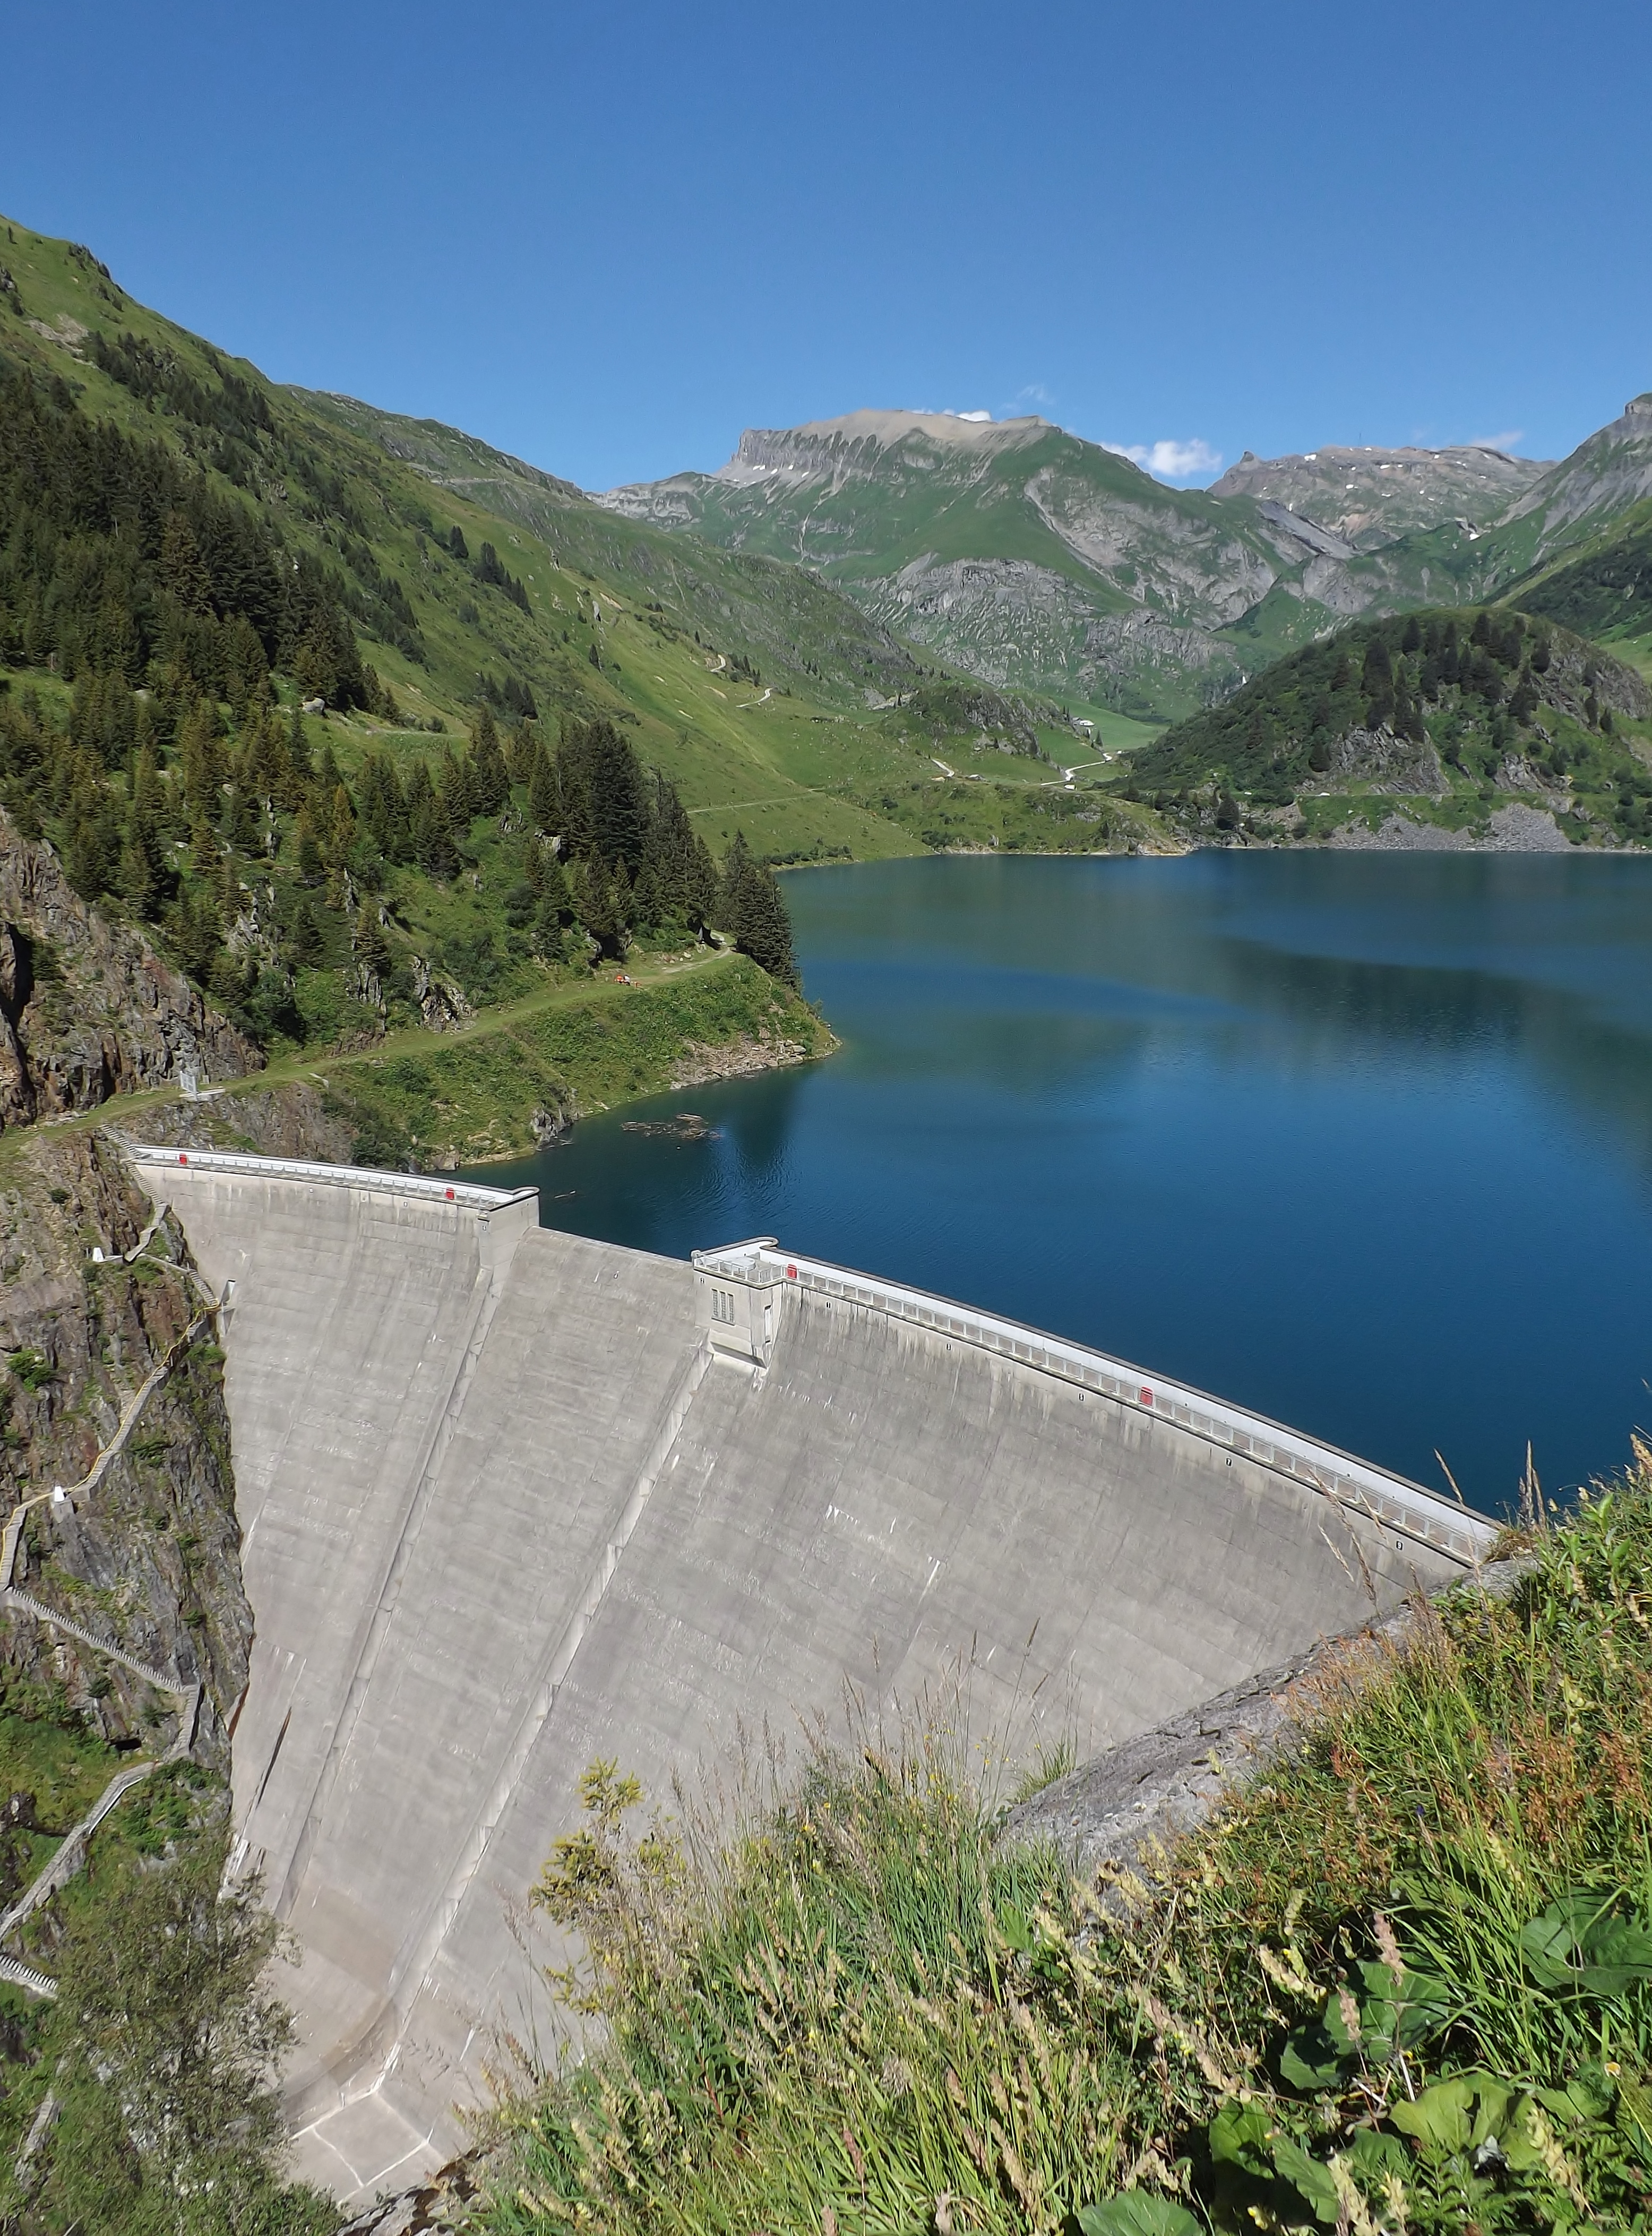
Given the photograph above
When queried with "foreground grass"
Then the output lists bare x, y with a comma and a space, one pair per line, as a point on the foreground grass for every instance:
1402, 1983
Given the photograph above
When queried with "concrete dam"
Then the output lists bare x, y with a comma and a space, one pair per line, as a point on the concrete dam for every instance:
511, 1501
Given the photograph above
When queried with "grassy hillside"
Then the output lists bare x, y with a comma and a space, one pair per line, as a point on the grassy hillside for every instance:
1402, 1983
372, 727
1602, 590
519, 1073
1453, 712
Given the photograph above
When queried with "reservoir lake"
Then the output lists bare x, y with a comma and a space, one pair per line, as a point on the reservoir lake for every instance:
1361, 1141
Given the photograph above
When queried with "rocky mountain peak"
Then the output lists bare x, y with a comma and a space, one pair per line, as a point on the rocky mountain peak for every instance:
1367, 497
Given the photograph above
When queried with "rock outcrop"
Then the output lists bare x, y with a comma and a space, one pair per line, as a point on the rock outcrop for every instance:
87, 1009
1119, 1813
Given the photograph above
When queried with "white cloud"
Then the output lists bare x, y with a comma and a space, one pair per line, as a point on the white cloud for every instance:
1505, 441
969, 415
1170, 461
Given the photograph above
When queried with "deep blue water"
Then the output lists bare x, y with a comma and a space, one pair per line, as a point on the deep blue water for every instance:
1362, 1141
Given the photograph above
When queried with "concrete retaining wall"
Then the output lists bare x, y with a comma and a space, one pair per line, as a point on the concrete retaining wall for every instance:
505, 1511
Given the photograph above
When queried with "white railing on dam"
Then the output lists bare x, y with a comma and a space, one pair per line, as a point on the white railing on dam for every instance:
1386, 1498
416, 1185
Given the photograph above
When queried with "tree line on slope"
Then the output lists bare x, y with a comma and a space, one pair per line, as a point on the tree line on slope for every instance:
117, 557
1479, 686
255, 860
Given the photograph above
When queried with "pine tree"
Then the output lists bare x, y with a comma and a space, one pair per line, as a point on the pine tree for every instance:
433, 846
140, 886
144, 873
489, 780
544, 801
768, 931
594, 904
202, 756
600, 766
305, 940
457, 796
371, 947
753, 913
182, 571
204, 851
311, 868
300, 769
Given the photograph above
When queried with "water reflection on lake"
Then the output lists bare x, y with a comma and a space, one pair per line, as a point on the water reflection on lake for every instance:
1364, 1141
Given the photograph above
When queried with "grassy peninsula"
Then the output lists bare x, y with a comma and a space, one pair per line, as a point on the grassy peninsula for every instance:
497, 1085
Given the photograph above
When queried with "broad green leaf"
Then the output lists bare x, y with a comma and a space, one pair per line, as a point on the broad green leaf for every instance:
1137, 2212
1587, 2094
1578, 1944
1311, 2059
1494, 2102
1439, 2117
1239, 2136
1308, 2178
1374, 2154
1423, 2006
1519, 2143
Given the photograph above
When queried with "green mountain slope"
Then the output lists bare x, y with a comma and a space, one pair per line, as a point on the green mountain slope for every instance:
756, 688
186, 553
1604, 589
1452, 713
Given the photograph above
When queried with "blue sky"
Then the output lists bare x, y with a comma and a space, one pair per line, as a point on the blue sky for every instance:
607, 238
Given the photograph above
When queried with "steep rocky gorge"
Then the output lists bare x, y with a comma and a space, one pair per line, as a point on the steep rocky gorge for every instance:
149, 1559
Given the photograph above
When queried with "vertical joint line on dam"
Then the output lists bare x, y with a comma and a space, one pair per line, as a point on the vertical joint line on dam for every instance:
487, 1290
657, 1458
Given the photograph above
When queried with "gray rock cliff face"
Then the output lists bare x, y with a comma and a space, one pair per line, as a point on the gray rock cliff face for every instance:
1609, 471
1368, 496
87, 1009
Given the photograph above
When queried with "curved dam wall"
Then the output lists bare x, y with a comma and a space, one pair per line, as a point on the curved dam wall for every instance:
512, 1500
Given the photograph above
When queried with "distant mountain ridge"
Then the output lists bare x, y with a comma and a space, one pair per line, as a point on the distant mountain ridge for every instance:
1368, 496
1036, 560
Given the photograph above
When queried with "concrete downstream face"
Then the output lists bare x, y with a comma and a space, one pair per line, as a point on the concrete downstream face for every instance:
511, 1501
